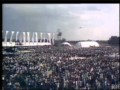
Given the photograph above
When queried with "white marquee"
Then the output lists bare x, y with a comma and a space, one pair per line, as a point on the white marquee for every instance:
66, 43
87, 44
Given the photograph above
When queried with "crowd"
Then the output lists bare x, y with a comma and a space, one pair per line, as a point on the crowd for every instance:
50, 68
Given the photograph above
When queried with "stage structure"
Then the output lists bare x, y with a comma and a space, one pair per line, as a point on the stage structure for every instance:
59, 37
25, 40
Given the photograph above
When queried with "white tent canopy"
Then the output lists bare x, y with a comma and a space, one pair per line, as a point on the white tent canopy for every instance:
66, 43
87, 44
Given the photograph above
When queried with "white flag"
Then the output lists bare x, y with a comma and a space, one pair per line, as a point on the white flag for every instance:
91, 69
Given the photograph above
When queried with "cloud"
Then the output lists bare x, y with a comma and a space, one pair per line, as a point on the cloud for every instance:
93, 8
67, 17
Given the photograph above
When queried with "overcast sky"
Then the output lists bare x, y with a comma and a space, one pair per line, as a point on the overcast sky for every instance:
75, 21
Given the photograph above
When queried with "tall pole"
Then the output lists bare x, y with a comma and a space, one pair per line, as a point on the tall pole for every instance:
11, 36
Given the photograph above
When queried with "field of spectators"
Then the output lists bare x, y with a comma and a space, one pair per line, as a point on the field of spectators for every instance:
51, 68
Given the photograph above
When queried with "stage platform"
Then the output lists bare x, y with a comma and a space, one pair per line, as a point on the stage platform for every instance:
9, 44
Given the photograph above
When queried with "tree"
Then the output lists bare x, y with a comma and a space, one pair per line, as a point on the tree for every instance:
114, 40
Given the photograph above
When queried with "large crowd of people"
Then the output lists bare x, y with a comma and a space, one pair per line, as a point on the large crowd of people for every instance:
51, 68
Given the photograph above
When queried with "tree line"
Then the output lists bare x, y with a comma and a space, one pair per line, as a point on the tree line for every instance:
114, 40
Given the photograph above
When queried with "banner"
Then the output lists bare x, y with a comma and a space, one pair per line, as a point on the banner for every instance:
49, 36
12, 32
24, 36
44, 37
17, 35
21, 37
6, 36
28, 36
36, 36
53, 35
33, 37
41, 37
